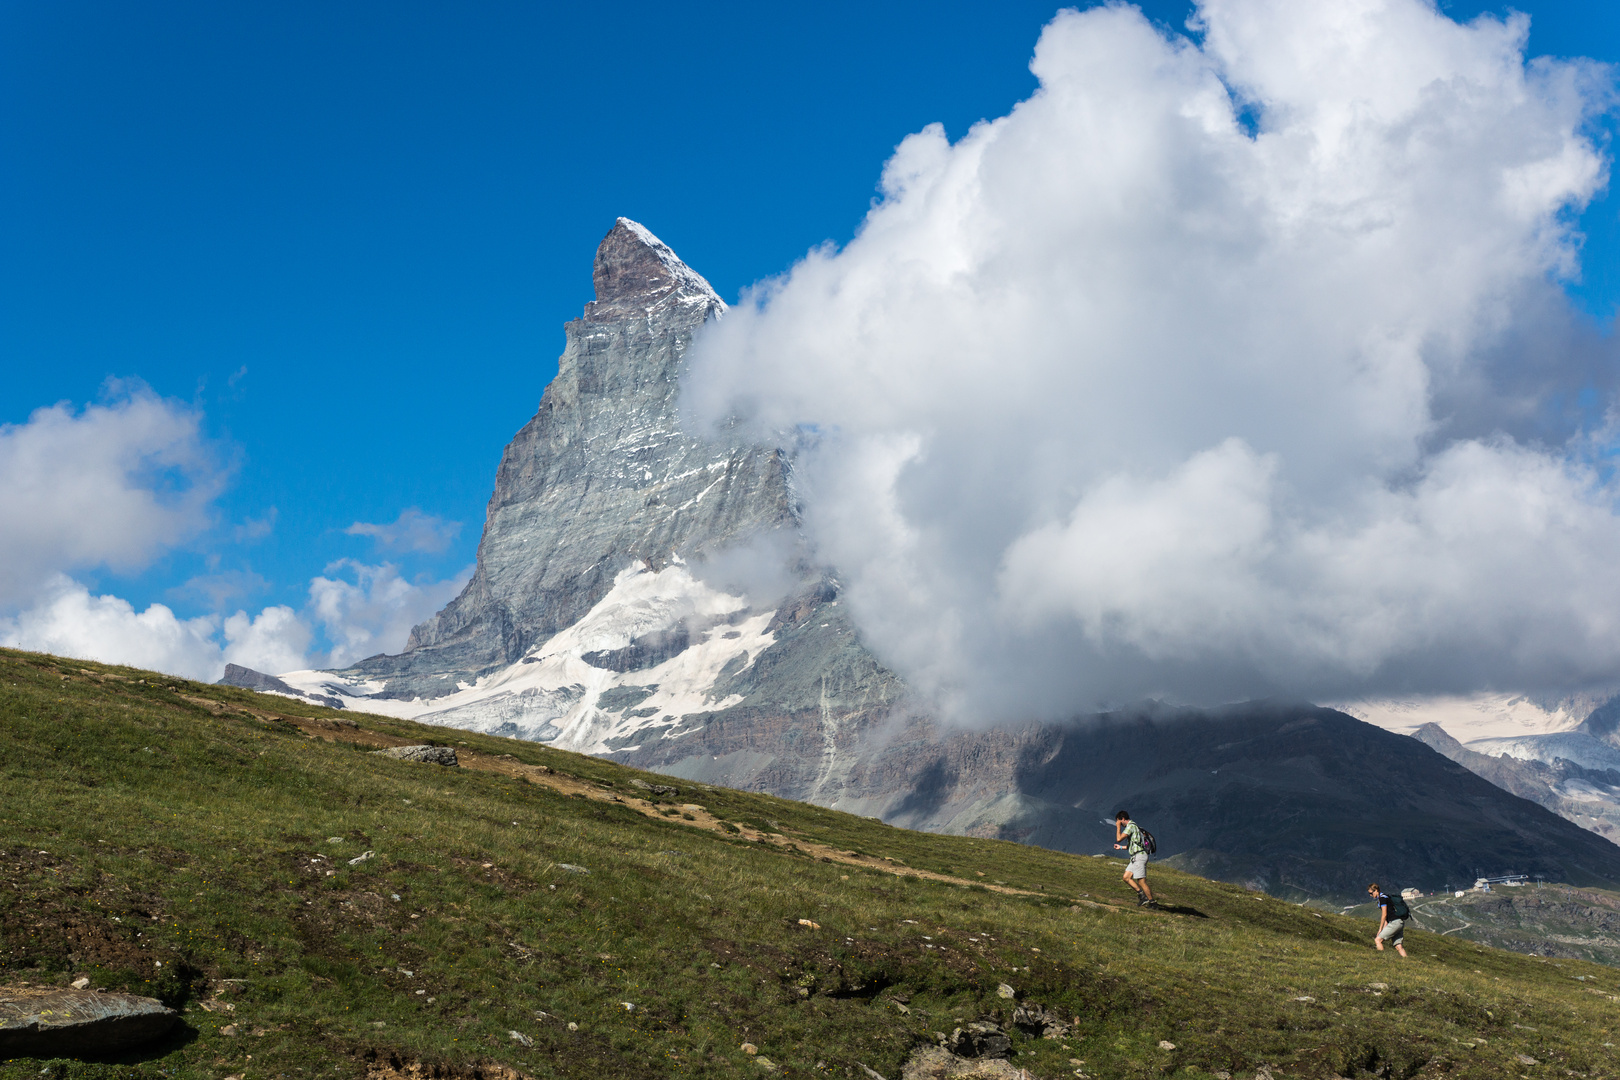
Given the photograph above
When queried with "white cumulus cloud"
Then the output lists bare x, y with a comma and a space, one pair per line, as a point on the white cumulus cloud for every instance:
110, 485
1227, 364
373, 609
69, 621
116, 485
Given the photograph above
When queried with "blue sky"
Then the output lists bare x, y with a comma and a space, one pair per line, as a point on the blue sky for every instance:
348, 235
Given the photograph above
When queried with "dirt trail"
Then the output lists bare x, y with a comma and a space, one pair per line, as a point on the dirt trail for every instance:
694, 815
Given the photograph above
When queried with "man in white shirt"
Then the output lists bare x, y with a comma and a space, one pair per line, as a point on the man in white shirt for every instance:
1128, 835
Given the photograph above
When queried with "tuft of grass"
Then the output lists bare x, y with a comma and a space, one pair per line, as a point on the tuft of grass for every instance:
204, 845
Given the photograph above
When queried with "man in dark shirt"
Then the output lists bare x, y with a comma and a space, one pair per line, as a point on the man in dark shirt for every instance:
1392, 913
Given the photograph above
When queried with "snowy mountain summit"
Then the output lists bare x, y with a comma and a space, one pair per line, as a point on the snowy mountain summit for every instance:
605, 615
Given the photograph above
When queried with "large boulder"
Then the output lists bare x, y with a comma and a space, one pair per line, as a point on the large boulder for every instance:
55, 1022
938, 1063
432, 755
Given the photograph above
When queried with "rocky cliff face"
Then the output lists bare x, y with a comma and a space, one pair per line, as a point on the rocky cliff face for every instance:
602, 478
603, 618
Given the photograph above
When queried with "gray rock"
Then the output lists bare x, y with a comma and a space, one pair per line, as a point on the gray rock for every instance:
1034, 1019
656, 789
431, 755
980, 1039
937, 1063
51, 1022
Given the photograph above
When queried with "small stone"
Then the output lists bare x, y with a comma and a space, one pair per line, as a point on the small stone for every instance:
358, 859
811, 925
571, 868
520, 1038
79, 984
1527, 1059
572, 1026
765, 1063
334, 839
228, 1030
629, 1006
1005, 991
749, 1048
1166, 1044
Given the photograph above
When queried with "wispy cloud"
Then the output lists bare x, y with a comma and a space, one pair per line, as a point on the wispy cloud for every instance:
256, 528
219, 589
411, 531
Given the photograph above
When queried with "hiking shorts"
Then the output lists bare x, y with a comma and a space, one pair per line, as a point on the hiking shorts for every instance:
1137, 867
1392, 932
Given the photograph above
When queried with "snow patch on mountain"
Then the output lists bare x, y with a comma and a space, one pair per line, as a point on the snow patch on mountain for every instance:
1577, 748
647, 655
1477, 716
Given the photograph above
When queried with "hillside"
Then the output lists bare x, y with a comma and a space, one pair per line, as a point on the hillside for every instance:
621, 928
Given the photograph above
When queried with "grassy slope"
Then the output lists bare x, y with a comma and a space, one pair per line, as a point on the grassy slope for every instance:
199, 838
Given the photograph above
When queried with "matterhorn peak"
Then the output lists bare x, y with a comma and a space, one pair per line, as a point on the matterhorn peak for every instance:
635, 271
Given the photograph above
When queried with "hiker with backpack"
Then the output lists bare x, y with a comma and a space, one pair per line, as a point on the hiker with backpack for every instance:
1392, 916
1138, 844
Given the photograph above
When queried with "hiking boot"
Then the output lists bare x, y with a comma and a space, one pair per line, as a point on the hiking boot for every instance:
1142, 901
1150, 903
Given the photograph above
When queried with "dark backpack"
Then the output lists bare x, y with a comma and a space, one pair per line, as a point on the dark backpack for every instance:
1396, 909
1149, 845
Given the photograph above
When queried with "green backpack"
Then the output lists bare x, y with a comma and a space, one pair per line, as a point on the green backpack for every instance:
1397, 908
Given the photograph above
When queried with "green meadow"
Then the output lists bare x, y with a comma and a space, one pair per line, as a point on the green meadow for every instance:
187, 842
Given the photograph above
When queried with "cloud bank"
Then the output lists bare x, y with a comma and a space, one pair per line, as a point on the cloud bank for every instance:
114, 486
1226, 365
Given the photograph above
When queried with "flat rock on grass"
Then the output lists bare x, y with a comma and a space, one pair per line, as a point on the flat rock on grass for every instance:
432, 755
937, 1063
54, 1022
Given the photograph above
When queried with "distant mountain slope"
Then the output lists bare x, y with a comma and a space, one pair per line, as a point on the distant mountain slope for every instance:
1589, 797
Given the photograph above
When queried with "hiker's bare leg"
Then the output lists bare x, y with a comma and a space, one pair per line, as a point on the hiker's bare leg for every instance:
1401, 949
1378, 941
1129, 880
1146, 891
